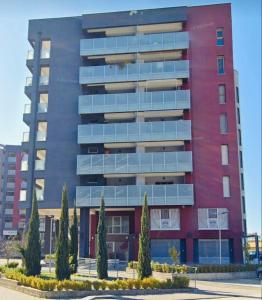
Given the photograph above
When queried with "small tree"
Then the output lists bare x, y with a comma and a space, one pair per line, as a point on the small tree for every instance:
31, 252
73, 251
144, 255
174, 254
62, 269
101, 248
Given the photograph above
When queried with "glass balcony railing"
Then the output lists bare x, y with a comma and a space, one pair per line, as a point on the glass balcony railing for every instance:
45, 53
39, 165
24, 165
132, 195
30, 54
43, 80
42, 107
134, 132
142, 101
124, 163
25, 137
28, 81
134, 72
136, 43
27, 109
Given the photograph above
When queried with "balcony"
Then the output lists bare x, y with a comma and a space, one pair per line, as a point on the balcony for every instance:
134, 132
27, 114
134, 72
135, 163
132, 195
128, 102
136, 43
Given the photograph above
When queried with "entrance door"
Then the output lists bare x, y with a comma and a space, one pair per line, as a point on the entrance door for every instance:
117, 250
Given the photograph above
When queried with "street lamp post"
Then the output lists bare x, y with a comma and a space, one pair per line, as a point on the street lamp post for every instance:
219, 235
50, 241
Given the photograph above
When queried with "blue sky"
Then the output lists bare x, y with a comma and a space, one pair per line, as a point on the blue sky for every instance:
14, 16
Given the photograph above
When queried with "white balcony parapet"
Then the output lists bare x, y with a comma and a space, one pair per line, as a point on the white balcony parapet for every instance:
134, 72
30, 54
135, 163
134, 132
132, 195
28, 81
142, 101
136, 43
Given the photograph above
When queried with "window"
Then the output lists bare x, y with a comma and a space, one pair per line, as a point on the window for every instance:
43, 103
224, 154
241, 159
22, 195
212, 218
24, 162
117, 224
92, 150
243, 204
39, 188
220, 36
242, 181
45, 49
223, 123
238, 115
44, 76
221, 65
222, 93
226, 186
40, 159
239, 137
209, 251
160, 249
237, 94
41, 131
165, 219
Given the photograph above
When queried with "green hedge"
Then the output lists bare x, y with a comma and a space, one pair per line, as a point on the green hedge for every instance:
182, 269
53, 284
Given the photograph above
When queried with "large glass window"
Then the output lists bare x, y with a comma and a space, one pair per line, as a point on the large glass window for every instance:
221, 65
41, 131
44, 76
220, 36
45, 49
222, 93
40, 159
224, 154
226, 186
212, 218
223, 123
165, 219
117, 224
39, 188
160, 249
209, 251
43, 103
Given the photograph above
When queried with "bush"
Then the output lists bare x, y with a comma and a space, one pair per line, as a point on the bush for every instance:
12, 265
96, 285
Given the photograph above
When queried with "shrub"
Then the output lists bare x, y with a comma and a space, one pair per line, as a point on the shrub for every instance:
12, 265
96, 285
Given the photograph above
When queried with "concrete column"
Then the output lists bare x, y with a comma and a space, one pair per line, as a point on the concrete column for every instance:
84, 232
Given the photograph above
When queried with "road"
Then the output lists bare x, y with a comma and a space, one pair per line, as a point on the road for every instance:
230, 290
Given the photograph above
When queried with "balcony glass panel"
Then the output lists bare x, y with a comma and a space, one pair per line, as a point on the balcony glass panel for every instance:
42, 107
136, 43
132, 132
28, 81
25, 138
130, 195
30, 54
135, 163
41, 136
27, 109
43, 80
133, 72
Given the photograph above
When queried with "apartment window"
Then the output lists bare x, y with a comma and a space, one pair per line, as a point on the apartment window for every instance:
44, 76
221, 65
243, 204
43, 103
241, 159
24, 162
224, 154
242, 182
40, 159
226, 186
220, 36
117, 224
40, 188
212, 218
9, 193
41, 131
223, 123
237, 94
45, 49
165, 219
92, 150
239, 137
160, 249
22, 195
222, 93
238, 115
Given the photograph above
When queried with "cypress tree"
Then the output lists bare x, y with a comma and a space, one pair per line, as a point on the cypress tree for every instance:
73, 251
32, 251
62, 254
101, 248
144, 252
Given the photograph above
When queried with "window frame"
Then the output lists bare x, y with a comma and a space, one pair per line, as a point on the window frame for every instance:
221, 71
